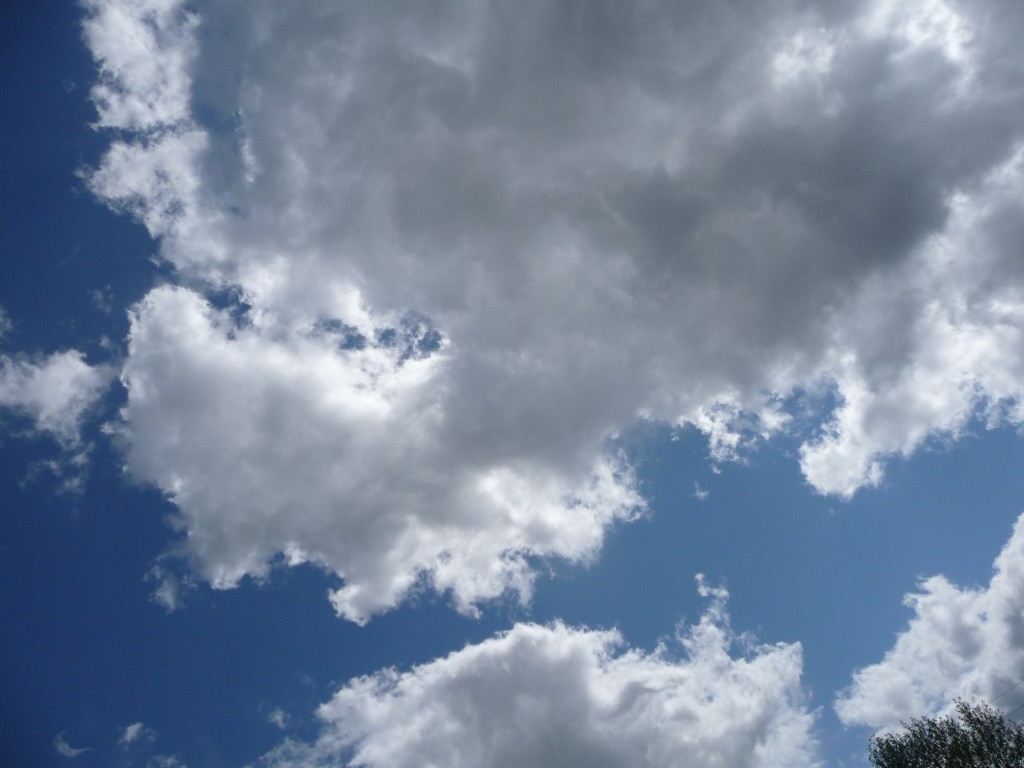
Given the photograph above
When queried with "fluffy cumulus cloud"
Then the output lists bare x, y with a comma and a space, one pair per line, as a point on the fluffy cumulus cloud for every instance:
560, 696
141, 49
434, 256
961, 642
338, 462
54, 391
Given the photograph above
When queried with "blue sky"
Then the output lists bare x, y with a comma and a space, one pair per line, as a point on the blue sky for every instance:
441, 339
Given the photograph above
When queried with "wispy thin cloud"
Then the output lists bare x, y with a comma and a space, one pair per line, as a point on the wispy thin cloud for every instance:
64, 749
135, 734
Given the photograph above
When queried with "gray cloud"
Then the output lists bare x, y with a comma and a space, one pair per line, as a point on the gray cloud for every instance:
600, 212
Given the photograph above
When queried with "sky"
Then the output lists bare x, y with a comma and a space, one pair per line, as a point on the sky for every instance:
493, 384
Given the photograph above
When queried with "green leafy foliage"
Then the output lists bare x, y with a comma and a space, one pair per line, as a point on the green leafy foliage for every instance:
980, 737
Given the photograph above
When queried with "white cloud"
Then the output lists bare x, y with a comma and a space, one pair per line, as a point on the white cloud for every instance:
584, 213
171, 587
355, 434
136, 733
960, 642
278, 717
64, 749
957, 356
561, 696
55, 391
143, 49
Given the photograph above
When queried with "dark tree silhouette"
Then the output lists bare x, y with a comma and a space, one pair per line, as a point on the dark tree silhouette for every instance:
980, 737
